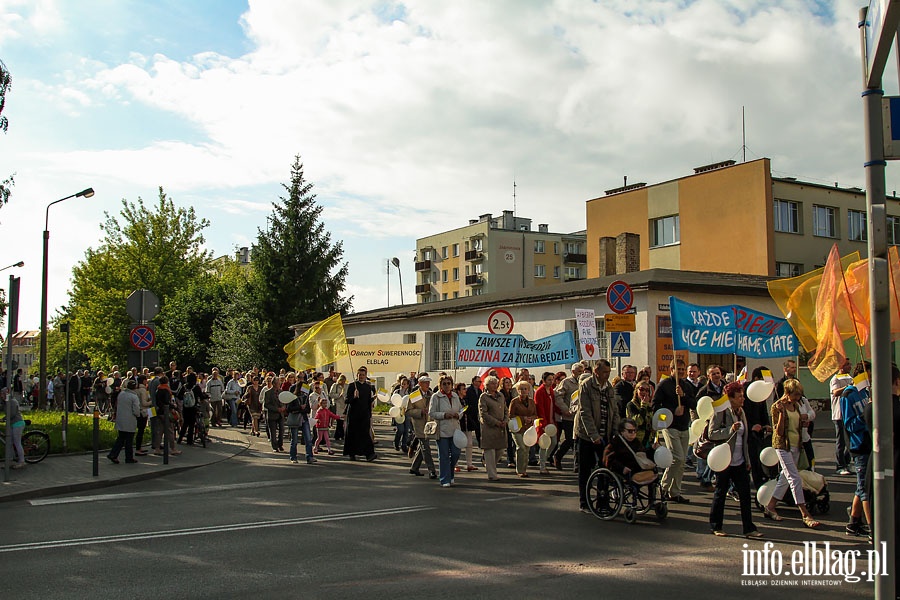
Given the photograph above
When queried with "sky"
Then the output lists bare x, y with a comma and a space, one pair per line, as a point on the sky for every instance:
410, 117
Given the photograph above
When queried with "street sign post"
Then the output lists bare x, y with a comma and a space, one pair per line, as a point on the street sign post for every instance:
619, 297
142, 337
500, 322
142, 305
615, 322
620, 344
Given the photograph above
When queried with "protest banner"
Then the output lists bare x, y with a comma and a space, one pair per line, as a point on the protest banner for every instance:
514, 351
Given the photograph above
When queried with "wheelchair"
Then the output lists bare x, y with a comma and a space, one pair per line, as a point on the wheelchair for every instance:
609, 493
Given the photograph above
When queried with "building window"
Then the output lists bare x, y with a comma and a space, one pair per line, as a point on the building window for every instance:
456, 294
573, 248
893, 230
665, 231
426, 254
444, 252
856, 226
555, 247
444, 275
539, 246
573, 273
426, 278
479, 268
556, 272
824, 221
786, 269
443, 351
409, 338
787, 216
455, 273
477, 291
467, 271
476, 244
443, 296
455, 249
540, 271
467, 292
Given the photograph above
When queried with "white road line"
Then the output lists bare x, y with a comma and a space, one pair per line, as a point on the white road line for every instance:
507, 497
178, 492
150, 535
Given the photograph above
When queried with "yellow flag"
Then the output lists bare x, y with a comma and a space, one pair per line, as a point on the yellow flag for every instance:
318, 346
721, 404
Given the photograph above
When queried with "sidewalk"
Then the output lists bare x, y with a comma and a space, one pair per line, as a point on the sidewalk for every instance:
59, 474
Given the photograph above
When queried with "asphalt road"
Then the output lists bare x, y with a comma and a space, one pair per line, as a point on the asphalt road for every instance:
257, 526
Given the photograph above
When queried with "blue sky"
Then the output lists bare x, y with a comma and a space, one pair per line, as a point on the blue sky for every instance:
410, 117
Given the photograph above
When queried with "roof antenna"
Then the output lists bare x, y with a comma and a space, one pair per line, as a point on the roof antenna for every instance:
743, 135
514, 200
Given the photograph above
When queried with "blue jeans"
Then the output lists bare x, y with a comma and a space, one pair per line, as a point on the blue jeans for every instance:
448, 456
307, 439
861, 466
232, 404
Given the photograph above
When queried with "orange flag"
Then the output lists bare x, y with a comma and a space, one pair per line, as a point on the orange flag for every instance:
796, 299
830, 303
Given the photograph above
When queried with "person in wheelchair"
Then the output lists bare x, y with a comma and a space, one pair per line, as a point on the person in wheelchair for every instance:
626, 456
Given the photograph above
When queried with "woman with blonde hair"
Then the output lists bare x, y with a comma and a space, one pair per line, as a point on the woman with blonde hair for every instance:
524, 407
787, 423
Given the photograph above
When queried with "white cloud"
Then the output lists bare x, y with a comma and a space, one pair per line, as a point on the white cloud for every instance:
413, 118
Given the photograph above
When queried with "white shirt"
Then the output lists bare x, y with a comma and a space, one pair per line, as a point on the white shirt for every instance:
737, 457
839, 381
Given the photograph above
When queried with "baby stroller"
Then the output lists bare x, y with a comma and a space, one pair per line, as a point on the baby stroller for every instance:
815, 492
608, 493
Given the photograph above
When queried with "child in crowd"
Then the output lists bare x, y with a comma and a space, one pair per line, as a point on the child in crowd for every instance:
323, 420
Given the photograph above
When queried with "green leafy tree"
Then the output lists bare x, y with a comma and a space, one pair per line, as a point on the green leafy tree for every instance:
238, 334
298, 273
187, 321
5, 86
158, 248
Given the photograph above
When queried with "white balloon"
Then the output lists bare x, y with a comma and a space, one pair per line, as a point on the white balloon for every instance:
719, 458
460, 440
399, 420
697, 427
396, 399
663, 457
530, 437
705, 408
769, 457
550, 430
395, 412
286, 397
515, 424
759, 391
545, 441
765, 491
692, 439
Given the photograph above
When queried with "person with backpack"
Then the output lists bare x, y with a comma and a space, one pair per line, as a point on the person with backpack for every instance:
190, 397
853, 408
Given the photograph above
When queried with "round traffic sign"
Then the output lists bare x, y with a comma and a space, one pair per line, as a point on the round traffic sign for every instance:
500, 322
142, 337
619, 297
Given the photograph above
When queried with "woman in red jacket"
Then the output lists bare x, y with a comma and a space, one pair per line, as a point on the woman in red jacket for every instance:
543, 398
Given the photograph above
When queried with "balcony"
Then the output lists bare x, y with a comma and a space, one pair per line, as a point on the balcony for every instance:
473, 255
423, 265
569, 278
575, 259
423, 288
474, 280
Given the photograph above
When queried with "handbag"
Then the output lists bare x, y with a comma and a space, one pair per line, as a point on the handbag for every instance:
431, 428
703, 446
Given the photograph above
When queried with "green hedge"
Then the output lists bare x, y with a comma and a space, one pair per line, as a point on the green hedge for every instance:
80, 436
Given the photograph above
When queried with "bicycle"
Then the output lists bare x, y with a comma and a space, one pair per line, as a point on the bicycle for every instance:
35, 443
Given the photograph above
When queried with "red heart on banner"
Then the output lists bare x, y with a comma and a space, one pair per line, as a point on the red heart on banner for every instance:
589, 348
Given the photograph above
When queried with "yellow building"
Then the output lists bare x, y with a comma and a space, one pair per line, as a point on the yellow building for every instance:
496, 254
731, 218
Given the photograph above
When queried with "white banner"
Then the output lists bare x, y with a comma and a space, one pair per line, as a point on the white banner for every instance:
586, 322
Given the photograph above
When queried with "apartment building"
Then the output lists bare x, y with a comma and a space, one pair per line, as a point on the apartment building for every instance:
732, 218
492, 254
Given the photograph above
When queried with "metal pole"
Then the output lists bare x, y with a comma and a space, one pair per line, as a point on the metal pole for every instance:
42, 396
65, 423
880, 324
13, 306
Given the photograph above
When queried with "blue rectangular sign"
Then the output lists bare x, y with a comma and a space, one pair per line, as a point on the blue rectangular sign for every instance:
730, 329
514, 351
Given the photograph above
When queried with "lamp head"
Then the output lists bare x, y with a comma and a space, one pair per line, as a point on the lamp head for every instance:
85, 193
21, 263
396, 262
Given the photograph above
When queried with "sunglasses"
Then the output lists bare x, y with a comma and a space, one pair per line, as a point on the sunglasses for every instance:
630, 430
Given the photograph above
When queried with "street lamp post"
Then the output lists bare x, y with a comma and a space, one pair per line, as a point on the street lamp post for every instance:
42, 399
396, 262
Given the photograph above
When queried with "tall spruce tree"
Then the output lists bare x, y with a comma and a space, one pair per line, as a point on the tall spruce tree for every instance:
298, 275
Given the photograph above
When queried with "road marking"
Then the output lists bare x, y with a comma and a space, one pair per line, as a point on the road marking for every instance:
150, 535
126, 495
507, 497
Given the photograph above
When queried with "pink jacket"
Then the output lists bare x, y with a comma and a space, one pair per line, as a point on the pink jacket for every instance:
323, 418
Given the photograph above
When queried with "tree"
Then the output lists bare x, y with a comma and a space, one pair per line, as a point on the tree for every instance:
237, 334
5, 86
159, 250
298, 275
188, 319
